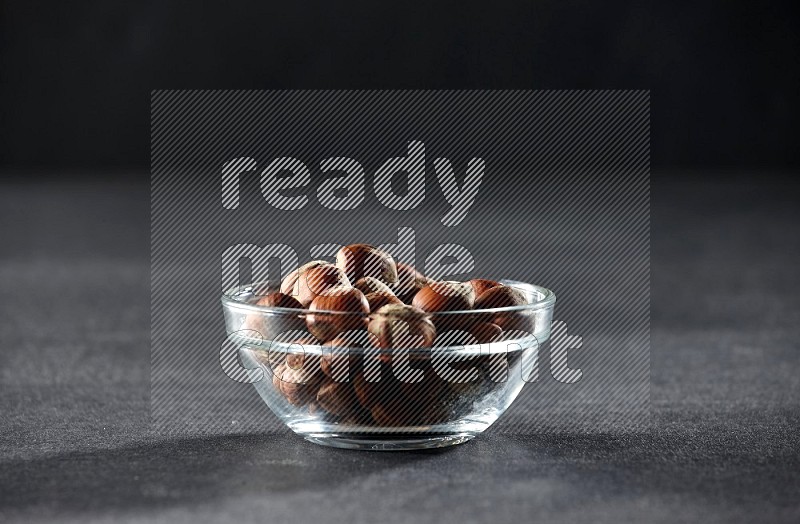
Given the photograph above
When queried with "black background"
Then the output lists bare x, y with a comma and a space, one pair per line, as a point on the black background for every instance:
76, 77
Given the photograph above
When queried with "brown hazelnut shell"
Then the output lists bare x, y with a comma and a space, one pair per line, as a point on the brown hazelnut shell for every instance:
366, 391
298, 386
501, 297
444, 296
369, 285
289, 283
325, 326
271, 326
363, 260
341, 356
316, 280
337, 398
401, 326
409, 282
379, 299
485, 332
480, 285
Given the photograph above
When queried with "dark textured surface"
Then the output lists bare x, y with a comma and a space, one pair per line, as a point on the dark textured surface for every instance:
723, 445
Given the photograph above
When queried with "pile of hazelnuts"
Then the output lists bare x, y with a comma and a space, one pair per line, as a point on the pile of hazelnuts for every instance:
368, 300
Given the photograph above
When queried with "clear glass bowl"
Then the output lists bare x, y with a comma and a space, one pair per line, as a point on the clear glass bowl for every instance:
350, 393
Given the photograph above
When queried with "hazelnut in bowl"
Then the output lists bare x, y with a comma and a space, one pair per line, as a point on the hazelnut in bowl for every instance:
376, 371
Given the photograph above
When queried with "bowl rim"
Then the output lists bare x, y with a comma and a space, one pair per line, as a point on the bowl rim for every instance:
229, 301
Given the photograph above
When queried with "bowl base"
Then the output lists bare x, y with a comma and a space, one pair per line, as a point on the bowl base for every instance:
390, 442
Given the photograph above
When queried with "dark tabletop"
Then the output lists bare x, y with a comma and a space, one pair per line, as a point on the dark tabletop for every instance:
722, 445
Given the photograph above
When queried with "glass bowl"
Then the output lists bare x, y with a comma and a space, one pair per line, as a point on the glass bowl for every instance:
351, 393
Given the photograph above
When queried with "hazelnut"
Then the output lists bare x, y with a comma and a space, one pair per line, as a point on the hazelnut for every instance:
369, 285
363, 260
444, 296
266, 359
342, 299
337, 398
338, 362
466, 329
298, 386
367, 392
401, 326
515, 324
485, 332
409, 282
316, 280
505, 296
290, 345
500, 296
309, 362
270, 326
289, 283
379, 299
481, 284
279, 300
276, 373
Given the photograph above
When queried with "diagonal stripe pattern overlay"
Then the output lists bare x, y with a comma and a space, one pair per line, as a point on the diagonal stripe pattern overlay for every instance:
561, 199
